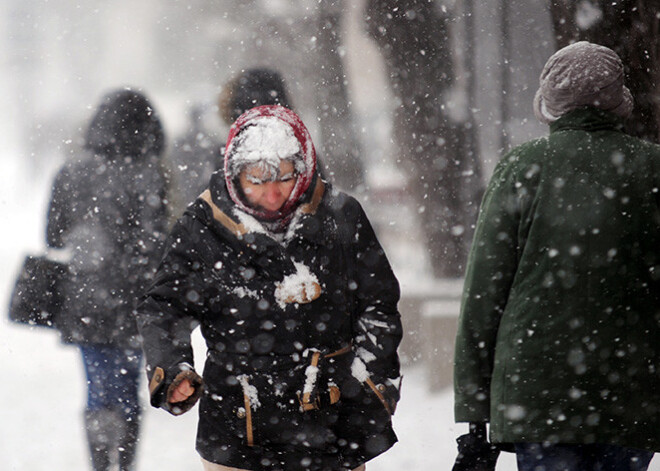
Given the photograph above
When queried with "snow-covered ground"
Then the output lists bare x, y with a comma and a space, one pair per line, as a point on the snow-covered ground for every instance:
43, 397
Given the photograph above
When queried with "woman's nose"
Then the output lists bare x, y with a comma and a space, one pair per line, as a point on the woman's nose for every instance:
272, 191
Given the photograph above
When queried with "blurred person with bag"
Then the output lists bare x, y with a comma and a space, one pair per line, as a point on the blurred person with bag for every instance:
108, 209
557, 345
297, 304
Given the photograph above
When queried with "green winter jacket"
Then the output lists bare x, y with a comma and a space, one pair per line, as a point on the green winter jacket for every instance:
559, 331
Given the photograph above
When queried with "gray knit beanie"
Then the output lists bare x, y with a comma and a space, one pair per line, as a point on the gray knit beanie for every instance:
582, 74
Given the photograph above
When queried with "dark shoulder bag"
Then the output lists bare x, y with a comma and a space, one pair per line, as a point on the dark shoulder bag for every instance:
37, 299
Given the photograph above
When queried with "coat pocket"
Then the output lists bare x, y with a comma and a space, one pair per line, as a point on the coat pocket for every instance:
274, 416
387, 394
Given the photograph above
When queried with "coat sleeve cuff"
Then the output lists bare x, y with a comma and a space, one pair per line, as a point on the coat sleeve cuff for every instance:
469, 409
161, 388
178, 408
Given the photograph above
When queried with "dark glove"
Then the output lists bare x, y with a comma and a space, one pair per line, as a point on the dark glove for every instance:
475, 453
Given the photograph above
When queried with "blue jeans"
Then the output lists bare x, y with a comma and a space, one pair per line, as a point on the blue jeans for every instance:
113, 379
537, 457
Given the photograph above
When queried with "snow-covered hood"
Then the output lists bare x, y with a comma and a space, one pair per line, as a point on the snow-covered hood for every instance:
273, 142
126, 124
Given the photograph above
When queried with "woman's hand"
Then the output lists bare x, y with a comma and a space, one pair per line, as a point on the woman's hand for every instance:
182, 392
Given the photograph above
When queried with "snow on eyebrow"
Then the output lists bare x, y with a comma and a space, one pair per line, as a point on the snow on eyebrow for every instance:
266, 139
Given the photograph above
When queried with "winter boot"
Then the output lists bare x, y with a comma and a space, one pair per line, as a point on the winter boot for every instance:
101, 428
128, 440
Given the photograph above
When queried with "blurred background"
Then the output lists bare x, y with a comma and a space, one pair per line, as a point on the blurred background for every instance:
410, 104
412, 99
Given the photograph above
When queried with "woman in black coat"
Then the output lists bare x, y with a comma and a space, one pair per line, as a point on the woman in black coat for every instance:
107, 209
298, 306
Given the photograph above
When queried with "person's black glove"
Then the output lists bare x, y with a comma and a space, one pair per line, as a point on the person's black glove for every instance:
475, 453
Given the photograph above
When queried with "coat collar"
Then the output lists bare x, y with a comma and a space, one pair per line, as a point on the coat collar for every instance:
309, 222
587, 119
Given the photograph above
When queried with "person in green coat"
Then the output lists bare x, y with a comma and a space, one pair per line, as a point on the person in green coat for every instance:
558, 343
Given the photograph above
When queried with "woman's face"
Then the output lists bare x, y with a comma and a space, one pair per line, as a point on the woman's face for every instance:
263, 192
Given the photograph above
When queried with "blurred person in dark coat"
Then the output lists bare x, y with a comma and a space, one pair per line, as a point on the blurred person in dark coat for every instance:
297, 304
108, 210
558, 341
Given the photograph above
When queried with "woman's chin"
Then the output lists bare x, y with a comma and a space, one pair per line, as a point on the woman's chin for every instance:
270, 209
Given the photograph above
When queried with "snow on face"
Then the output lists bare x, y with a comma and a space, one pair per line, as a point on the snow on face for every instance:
266, 141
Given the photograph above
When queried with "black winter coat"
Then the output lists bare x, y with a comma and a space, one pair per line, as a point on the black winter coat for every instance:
263, 405
107, 208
